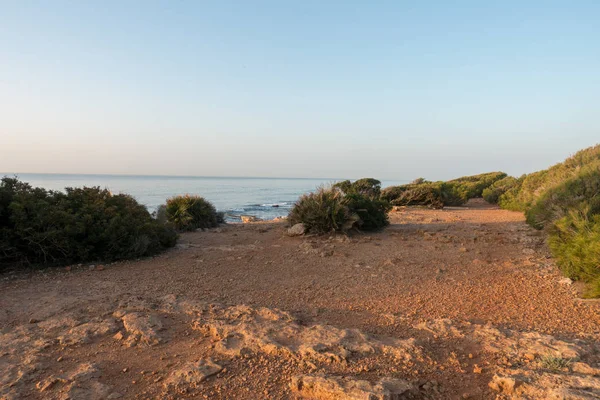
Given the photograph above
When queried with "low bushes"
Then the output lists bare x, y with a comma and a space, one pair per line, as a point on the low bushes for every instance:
492, 193
564, 200
439, 194
188, 213
428, 194
536, 184
38, 226
341, 207
322, 211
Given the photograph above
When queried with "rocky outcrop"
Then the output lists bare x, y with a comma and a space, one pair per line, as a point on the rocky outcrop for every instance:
342, 388
192, 373
240, 330
142, 329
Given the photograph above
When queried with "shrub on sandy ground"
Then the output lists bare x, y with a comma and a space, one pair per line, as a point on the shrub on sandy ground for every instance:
428, 194
492, 193
188, 213
575, 243
363, 199
439, 194
322, 211
536, 184
565, 200
469, 187
581, 191
82, 224
343, 206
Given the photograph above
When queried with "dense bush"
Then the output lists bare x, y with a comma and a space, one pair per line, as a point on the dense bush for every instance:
469, 187
565, 201
536, 184
428, 194
492, 193
343, 206
579, 192
188, 213
322, 211
81, 224
439, 194
575, 243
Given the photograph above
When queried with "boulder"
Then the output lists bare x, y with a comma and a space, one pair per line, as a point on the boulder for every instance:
297, 230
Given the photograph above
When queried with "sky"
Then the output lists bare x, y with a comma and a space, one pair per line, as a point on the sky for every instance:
386, 89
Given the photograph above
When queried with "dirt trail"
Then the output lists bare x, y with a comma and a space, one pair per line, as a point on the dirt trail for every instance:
442, 304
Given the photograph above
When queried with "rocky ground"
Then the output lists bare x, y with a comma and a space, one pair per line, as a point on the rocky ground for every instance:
443, 304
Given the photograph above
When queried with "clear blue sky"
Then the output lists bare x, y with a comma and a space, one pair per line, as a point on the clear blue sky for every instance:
389, 89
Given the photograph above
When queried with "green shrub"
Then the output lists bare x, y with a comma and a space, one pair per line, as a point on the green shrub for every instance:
188, 213
439, 194
492, 193
578, 192
425, 194
565, 200
344, 206
460, 190
575, 243
536, 184
322, 211
82, 224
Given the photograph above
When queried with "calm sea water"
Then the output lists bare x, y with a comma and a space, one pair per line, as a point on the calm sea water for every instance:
266, 198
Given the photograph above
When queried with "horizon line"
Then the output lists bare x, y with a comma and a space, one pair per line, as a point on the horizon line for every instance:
179, 176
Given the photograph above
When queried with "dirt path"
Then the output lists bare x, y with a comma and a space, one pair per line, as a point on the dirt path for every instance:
444, 302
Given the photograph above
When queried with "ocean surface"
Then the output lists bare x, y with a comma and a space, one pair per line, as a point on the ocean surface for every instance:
265, 198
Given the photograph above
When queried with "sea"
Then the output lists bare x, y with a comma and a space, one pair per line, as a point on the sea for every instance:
265, 198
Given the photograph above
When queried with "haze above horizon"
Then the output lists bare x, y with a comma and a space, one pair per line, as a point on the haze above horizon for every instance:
390, 90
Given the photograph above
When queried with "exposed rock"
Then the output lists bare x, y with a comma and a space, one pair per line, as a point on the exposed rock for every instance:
83, 384
192, 373
328, 388
84, 333
566, 281
249, 218
504, 385
241, 329
440, 328
142, 329
296, 230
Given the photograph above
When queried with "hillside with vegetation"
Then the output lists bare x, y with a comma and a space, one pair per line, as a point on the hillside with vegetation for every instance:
564, 201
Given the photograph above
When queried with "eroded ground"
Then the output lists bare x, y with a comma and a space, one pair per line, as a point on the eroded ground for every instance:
443, 304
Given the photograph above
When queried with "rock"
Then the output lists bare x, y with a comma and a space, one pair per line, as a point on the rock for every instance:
84, 333
326, 388
296, 230
249, 218
142, 329
240, 330
505, 385
585, 369
565, 281
192, 373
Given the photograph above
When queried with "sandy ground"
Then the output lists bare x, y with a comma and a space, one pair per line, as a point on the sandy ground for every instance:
443, 304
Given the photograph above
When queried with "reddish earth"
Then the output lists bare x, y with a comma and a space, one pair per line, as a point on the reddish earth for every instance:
455, 303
